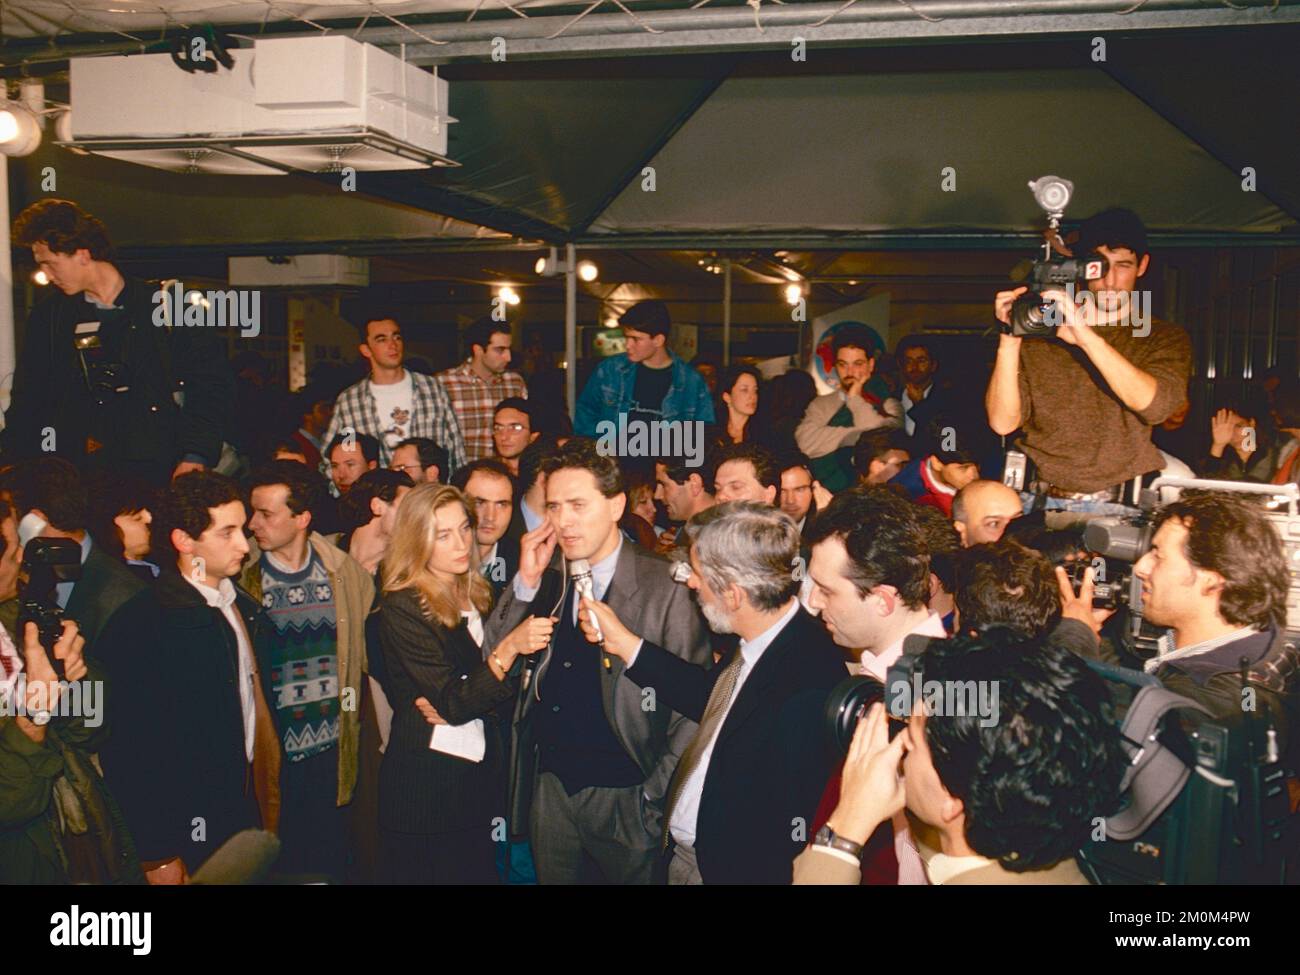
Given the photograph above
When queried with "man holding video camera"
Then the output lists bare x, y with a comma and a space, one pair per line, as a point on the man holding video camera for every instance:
1086, 394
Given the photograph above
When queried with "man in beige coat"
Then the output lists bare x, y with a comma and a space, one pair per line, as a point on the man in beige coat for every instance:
1000, 724
318, 598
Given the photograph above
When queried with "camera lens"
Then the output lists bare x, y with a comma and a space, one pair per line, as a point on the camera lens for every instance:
1029, 315
849, 701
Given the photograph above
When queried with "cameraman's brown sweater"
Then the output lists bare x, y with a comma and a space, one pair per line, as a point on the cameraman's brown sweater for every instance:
1075, 429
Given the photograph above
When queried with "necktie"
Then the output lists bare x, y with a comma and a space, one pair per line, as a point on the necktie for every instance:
719, 698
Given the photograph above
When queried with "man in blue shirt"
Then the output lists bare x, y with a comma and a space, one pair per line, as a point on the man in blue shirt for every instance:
647, 382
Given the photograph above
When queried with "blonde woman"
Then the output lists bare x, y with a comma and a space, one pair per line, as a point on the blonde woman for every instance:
441, 786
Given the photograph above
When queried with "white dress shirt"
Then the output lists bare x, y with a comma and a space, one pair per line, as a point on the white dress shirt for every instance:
223, 598
687, 811
911, 870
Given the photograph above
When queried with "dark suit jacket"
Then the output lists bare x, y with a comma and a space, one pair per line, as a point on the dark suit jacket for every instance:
421, 790
649, 603
176, 751
106, 584
771, 760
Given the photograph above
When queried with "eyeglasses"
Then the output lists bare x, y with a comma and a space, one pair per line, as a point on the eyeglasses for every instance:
512, 427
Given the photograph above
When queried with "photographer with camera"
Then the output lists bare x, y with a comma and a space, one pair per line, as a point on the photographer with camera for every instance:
1086, 394
1216, 574
98, 382
47, 779
1001, 802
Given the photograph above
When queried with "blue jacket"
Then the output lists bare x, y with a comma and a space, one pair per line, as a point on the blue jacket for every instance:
609, 392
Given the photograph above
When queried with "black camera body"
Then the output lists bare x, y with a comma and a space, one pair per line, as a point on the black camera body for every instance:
46, 563
853, 697
1032, 314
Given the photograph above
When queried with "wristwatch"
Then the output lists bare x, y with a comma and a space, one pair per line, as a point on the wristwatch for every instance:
827, 837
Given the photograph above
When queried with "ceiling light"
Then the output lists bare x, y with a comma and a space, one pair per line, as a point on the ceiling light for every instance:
20, 131
793, 292
41, 278
508, 295
587, 270
549, 265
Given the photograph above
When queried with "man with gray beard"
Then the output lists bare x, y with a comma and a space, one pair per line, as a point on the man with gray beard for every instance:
753, 772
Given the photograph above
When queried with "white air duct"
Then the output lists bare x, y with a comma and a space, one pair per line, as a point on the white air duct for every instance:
296, 103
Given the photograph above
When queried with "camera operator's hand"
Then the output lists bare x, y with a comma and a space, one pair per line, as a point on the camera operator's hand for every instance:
535, 551
1079, 606
1074, 326
619, 640
42, 680
871, 789
1002, 303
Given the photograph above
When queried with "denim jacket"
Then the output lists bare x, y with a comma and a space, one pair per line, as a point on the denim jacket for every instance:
609, 392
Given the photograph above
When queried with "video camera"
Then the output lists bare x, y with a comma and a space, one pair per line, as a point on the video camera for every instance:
1032, 314
1123, 539
46, 563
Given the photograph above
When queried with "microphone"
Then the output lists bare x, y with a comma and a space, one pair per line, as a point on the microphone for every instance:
582, 582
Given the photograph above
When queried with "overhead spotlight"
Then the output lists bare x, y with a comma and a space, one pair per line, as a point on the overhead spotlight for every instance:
793, 292
508, 295
20, 130
587, 270
548, 266
41, 278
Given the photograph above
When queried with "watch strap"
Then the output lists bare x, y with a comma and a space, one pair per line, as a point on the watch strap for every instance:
829, 838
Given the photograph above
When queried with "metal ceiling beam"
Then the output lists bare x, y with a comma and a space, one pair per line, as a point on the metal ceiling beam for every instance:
713, 29
906, 241
866, 22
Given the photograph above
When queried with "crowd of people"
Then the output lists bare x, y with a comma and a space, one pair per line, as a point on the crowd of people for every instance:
426, 630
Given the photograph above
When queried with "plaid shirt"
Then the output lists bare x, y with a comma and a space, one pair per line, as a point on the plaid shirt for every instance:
475, 401
431, 416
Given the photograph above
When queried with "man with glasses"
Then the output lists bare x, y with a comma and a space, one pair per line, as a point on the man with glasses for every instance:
512, 431
420, 459
478, 384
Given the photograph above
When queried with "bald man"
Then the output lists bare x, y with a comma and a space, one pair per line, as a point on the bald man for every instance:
982, 510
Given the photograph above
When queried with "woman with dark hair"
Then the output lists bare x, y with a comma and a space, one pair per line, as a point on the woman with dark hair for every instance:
438, 795
1243, 449
735, 404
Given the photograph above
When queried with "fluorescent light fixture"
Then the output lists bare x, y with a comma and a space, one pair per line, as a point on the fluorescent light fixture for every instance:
325, 152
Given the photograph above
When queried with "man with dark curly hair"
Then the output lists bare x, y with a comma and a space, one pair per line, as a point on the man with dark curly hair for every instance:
98, 382
1216, 574
1001, 801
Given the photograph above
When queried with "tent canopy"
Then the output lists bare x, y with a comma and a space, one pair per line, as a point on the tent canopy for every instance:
846, 148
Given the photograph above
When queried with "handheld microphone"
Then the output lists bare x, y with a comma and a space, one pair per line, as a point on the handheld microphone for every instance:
582, 582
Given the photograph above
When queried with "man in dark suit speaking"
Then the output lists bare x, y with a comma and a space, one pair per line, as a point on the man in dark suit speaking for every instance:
593, 753
746, 788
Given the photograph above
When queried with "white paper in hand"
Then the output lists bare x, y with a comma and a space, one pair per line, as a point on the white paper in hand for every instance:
461, 740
